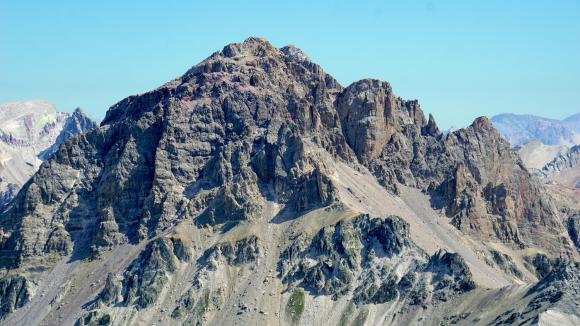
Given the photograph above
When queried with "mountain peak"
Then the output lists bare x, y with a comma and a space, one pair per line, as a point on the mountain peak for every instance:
482, 123
253, 66
252, 46
256, 41
256, 163
79, 113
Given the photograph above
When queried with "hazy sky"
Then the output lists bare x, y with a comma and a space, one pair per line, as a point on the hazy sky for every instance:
460, 59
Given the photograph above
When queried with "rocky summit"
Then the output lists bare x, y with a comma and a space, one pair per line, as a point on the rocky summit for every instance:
255, 189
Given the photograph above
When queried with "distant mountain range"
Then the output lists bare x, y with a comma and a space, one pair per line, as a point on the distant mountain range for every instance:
520, 129
30, 131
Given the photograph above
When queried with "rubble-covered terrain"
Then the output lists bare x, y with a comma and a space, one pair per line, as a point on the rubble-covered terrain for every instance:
255, 189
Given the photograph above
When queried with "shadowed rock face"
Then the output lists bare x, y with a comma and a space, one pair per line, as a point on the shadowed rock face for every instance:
14, 293
94, 318
144, 279
573, 225
360, 257
243, 141
337, 256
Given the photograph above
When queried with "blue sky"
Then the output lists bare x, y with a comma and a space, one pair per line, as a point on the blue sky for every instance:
460, 59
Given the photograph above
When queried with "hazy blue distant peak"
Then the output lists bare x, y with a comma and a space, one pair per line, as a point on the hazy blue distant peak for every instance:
520, 129
573, 122
521, 119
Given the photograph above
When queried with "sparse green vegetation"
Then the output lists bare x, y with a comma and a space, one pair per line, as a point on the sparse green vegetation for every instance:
202, 305
295, 306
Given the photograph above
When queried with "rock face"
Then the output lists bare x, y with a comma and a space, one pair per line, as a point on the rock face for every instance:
549, 149
574, 228
521, 129
360, 257
348, 252
561, 176
216, 199
14, 293
143, 280
30, 132
472, 174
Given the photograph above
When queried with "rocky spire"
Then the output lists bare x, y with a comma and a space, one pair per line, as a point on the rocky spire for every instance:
431, 127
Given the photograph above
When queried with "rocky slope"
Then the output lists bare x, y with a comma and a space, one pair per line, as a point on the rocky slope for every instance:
547, 148
520, 129
29, 132
255, 189
558, 167
562, 178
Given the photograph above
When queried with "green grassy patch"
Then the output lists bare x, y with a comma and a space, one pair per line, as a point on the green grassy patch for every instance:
295, 306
